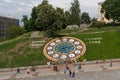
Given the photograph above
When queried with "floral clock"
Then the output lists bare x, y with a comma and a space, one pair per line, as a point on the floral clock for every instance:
64, 48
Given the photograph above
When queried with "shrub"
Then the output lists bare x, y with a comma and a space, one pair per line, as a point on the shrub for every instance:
15, 31
99, 24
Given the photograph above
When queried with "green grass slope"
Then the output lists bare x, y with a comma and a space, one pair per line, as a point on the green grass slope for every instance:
108, 48
17, 52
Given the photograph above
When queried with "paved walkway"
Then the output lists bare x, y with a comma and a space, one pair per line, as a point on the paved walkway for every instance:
48, 74
35, 34
102, 75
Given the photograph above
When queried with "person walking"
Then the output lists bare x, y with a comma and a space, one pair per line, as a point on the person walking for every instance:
67, 68
79, 66
70, 73
56, 68
18, 70
73, 74
64, 71
110, 64
28, 71
33, 69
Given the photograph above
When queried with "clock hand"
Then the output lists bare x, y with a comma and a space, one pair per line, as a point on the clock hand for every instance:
67, 50
69, 46
64, 48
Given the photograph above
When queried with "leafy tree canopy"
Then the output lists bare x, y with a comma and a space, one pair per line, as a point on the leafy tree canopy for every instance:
49, 19
111, 8
75, 13
94, 21
85, 18
45, 17
33, 19
26, 22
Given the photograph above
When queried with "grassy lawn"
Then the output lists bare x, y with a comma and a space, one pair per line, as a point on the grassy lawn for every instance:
1, 39
17, 52
108, 28
108, 48
66, 31
41, 33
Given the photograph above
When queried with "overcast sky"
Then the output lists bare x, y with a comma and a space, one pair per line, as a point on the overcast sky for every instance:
17, 8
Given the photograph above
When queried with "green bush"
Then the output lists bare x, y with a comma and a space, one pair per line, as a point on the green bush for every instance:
15, 31
93, 22
99, 24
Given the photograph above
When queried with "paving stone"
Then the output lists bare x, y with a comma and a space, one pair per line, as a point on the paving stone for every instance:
88, 72
101, 75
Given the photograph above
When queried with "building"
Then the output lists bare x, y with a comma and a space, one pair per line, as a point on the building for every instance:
101, 16
5, 24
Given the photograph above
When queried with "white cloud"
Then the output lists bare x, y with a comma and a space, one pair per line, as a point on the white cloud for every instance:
35, 2
92, 3
8, 1
20, 9
23, 7
22, 3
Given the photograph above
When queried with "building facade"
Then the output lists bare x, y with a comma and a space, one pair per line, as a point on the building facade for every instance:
5, 24
101, 16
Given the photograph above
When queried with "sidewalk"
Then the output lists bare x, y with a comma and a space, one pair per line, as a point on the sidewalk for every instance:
49, 71
34, 34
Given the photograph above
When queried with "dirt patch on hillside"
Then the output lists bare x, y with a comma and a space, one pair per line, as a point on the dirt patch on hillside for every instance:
19, 45
22, 45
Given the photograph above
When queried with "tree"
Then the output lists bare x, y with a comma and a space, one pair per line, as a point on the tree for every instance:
45, 17
49, 19
75, 13
94, 21
85, 18
26, 23
61, 18
111, 9
33, 19
67, 19
99, 24
15, 31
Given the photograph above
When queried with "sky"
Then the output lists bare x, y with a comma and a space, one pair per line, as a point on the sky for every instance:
18, 8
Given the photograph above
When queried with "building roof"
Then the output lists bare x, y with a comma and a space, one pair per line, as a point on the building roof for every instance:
7, 16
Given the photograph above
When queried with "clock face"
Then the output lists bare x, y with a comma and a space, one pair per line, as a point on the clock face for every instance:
64, 48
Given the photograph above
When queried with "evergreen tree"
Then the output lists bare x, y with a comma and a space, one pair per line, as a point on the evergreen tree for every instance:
75, 13
94, 21
33, 19
67, 19
26, 22
85, 18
